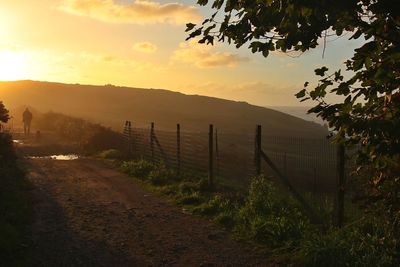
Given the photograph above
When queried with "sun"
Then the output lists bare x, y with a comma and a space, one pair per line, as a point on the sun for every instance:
13, 65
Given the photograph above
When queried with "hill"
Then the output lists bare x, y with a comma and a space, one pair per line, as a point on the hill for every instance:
112, 105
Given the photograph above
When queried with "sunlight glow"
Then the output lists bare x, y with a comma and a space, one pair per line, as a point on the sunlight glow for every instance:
13, 65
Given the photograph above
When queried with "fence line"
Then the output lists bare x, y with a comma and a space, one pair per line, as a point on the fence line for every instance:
308, 163
313, 165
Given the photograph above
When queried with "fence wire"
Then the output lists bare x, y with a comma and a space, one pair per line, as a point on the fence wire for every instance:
310, 164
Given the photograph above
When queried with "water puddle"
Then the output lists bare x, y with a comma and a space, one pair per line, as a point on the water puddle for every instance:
18, 142
57, 157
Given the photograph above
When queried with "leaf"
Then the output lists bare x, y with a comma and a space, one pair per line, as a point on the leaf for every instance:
301, 93
321, 71
190, 26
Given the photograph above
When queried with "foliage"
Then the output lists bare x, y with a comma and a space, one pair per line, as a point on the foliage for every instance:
4, 116
368, 242
15, 206
139, 169
270, 218
111, 154
369, 114
267, 216
7, 153
90, 137
161, 175
102, 138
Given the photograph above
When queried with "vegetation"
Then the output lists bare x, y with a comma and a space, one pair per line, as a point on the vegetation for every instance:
270, 217
15, 206
4, 116
91, 138
369, 115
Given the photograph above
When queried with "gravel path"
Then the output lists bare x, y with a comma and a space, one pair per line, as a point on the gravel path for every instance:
86, 214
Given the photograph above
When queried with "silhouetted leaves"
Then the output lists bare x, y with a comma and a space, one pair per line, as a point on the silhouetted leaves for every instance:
369, 115
4, 115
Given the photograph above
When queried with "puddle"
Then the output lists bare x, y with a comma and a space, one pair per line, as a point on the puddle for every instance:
18, 142
57, 157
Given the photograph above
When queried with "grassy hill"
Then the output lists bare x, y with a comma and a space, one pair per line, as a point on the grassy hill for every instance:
112, 105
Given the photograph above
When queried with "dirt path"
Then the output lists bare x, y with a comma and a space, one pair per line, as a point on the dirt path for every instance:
86, 214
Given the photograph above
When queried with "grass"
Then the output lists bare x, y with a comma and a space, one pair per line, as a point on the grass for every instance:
264, 214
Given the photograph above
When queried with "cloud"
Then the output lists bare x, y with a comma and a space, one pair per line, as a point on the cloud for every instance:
137, 12
204, 56
145, 47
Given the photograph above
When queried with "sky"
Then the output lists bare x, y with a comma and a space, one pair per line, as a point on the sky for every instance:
141, 43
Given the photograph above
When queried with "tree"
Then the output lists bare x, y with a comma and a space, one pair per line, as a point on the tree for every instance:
4, 116
369, 116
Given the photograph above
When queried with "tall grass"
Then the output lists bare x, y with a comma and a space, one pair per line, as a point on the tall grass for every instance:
266, 215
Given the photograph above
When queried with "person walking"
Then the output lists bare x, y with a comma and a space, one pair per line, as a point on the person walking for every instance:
27, 119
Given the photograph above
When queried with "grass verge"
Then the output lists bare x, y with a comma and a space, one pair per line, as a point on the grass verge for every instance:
266, 215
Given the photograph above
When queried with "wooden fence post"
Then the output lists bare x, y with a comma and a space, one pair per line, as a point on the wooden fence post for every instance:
178, 148
152, 141
340, 187
210, 155
258, 150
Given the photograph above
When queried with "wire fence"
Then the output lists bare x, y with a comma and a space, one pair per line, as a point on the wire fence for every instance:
309, 164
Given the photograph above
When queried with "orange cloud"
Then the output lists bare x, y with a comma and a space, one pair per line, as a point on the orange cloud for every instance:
204, 56
145, 47
138, 12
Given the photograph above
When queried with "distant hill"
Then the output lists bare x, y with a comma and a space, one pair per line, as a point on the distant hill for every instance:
112, 105
300, 112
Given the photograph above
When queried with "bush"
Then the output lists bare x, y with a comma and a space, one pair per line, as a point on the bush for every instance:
137, 168
7, 153
268, 218
369, 242
111, 154
15, 207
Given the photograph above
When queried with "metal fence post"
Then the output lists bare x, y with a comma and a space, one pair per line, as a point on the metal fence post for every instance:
258, 150
152, 141
178, 148
210, 155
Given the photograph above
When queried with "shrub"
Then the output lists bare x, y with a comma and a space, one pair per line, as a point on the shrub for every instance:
369, 242
111, 154
7, 153
269, 218
137, 168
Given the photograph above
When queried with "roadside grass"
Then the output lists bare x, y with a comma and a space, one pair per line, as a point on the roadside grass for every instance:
15, 213
266, 215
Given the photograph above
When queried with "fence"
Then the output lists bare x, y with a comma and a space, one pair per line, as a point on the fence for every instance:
309, 163
300, 164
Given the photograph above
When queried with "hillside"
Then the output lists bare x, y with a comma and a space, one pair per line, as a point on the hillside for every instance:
112, 105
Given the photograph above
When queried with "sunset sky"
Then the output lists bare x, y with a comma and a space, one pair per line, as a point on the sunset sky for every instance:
142, 44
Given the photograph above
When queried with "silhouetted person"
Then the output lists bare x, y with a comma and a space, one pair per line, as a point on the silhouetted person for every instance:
27, 119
